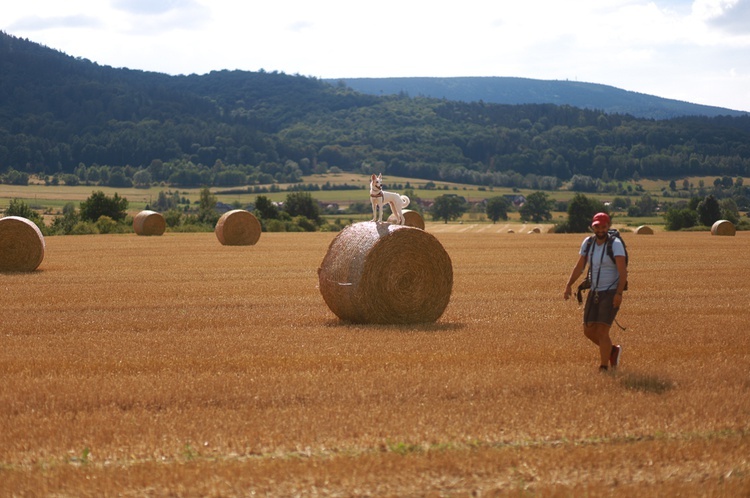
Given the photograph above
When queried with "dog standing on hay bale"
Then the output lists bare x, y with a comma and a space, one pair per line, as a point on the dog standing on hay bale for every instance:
379, 198
387, 274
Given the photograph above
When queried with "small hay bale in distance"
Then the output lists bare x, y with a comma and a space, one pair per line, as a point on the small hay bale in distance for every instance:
644, 230
149, 223
723, 227
21, 244
411, 219
386, 274
238, 228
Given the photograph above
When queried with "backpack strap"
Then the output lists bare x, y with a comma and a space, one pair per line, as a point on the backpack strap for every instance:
610, 250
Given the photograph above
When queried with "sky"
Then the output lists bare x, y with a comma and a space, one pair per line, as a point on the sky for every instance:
697, 51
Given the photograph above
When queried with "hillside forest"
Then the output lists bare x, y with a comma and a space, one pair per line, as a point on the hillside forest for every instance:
70, 121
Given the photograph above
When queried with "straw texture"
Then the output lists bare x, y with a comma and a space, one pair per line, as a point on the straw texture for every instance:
383, 273
723, 227
21, 244
149, 223
411, 219
238, 228
644, 230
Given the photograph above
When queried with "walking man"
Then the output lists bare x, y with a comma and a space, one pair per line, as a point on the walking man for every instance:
608, 279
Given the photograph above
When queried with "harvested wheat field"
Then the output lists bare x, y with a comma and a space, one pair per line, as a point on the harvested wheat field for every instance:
136, 366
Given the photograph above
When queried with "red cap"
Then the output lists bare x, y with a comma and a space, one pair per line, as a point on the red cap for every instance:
600, 218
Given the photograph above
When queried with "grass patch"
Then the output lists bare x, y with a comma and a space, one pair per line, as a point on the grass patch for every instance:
646, 383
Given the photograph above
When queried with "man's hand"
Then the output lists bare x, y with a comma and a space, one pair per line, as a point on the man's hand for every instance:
617, 300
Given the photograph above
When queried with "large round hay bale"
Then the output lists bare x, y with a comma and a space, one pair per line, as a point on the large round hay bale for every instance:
238, 228
149, 223
723, 227
411, 219
644, 230
382, 273
21, 244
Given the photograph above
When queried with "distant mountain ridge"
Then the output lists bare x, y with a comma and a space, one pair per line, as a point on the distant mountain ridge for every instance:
516, 91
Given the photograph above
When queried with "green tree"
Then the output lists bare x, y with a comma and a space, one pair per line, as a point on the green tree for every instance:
142, 179
709, 211
729, 210
580, 211
118, 179
99, 204
266, 209
302, 203
497, 208
17, 207
448, 207
679, 218
64, 224
647, 205
207, 207
105, 224
537, 208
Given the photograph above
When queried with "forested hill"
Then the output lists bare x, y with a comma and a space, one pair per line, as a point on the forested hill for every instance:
516, 91
60, 114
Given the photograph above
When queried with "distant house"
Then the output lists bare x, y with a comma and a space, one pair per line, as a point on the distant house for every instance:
223, 207
517, 200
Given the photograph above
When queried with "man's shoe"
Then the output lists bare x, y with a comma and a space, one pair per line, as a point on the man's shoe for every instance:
614, 356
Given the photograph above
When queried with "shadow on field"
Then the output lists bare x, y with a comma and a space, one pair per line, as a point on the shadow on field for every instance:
406, 328
646, 383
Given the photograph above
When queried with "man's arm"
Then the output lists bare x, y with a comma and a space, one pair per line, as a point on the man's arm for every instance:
577, 271
622, 271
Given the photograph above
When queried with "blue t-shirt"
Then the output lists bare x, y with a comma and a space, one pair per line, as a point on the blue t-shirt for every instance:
604, 274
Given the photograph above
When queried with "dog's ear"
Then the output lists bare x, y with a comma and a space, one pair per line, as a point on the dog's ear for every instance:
373, 177
380, 176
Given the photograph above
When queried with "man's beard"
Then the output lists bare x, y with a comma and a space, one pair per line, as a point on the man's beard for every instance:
601, 236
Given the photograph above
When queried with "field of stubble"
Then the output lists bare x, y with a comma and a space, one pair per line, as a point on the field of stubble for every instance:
151, 366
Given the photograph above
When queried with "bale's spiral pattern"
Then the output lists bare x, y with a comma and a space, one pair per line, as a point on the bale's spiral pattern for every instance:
723, 227
149, 223
238, 228
644, 230
411, 219
383, 273
21, 244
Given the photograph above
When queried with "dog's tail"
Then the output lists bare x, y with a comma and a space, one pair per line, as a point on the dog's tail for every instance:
404, 201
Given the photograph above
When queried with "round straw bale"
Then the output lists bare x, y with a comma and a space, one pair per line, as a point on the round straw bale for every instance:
149, 223
382, 273
411, 219
723, 227
238, 228
644, 230
21, 244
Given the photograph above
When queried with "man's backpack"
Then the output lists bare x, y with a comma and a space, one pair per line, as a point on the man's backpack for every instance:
612, 234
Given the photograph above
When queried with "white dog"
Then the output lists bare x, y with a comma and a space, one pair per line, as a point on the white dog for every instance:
379, 197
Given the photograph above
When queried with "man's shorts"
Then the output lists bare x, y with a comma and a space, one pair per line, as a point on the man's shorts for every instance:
600, 310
